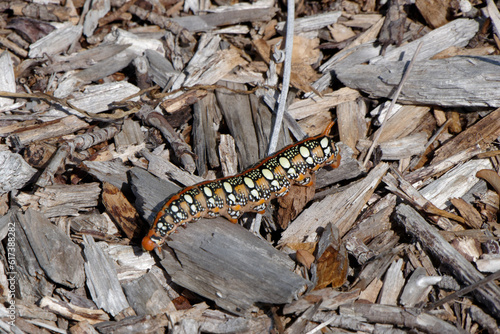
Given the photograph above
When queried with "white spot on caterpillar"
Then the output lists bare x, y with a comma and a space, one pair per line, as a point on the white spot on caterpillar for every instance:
267, 174
249, 182
284, 162
324, 142
227, 187
304, 151
254, 193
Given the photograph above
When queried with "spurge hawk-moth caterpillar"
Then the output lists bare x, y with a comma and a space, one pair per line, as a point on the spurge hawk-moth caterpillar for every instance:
249, 191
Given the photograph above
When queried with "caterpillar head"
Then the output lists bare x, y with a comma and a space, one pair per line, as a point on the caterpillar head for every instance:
162, 228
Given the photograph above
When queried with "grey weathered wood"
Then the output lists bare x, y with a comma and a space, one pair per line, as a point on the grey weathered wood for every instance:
237, 112
434, 243
67, 200
15, 171
165, 169
242, 12
96, 72
62, 261
229, 265
341, 209
454, 183
147, 296
393, 283
310, 23
450, 82
97, 10
134, 324
59, 127
395, 315
112, 171
160, 69
456, 33
349, 169
7, 79
150, 191
131, 134
82, 59
206, 120
55, 42
97, 98
30, 277
102, 281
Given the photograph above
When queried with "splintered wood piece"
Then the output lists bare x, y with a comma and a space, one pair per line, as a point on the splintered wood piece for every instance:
456, 33
123, 213
450, 82
82, 59
396, 184
68, 200
15, 171
228, 155
8, 82
472, 216
385, 314
259, 11
229, 265
349, 168
455, 183
352, 123
413, 145
73, 312
137, 324
180, 147
56, 128
96, 72
424, 173
56, 42
130, 134
301, 109
461, 269
292, 204
164, 169
237, 111
146, 295
342, 209
151, 192
313, 22
393, 283
206, 119
482, 133
62, 261
332, 264
403, 121
330, 300
102, 281
112, 171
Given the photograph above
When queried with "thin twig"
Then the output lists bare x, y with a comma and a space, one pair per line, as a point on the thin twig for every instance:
464, 291
393, 102
287, 69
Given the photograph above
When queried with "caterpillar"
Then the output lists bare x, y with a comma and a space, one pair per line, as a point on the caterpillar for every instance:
249, 191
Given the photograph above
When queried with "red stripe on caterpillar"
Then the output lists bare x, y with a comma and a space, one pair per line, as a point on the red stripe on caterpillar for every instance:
249, 191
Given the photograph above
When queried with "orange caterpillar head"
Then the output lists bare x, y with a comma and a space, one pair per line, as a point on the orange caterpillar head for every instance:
161, 229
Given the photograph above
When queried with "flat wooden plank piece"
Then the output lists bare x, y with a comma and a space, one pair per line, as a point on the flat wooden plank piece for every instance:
229, 265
